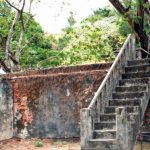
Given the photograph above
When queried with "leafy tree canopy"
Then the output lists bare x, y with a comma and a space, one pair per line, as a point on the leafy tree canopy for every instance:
95, 40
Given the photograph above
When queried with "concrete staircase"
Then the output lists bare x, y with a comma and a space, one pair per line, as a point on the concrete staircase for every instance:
114, 123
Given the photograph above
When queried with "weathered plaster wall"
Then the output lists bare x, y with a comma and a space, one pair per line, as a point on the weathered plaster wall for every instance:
6, 110
47, 104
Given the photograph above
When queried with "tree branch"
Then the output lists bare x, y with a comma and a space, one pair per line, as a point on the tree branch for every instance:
6, 69
120, 8
9, 38
12, 5
21, 15
123, 11
19, 10
18, 49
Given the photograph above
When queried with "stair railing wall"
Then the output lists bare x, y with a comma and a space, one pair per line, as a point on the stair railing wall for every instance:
127, 127
139, 52
91, 114
121, 120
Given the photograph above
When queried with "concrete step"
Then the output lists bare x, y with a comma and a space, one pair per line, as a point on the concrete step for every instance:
112, 117
107, 117
144, 135
145, 128
132, 88
125, 102
132, 117
148, 110
104, 144
136, 75
138, 68
149, 104
147, 120
127, 95
137, 81
105, 125
139, 62
104, 134
112, 109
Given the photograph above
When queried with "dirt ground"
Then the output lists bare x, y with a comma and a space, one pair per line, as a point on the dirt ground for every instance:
144, 146
34, 144
49, 144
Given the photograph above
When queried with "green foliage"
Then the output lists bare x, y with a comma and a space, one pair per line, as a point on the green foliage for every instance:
1, 54
95, 40
71, 20
4, 9
146, 26
87, 45
123, 27
39, 144
99, 14
35, 46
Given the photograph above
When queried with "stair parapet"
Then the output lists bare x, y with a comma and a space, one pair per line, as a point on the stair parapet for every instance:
86, 126
126, 130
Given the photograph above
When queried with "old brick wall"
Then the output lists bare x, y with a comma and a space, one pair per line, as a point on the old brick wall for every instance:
47, 102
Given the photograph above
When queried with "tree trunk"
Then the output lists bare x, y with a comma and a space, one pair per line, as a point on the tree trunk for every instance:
137, 27
9, 40
18, 49
144, 40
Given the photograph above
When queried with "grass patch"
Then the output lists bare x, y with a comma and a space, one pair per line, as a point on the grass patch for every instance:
38, 144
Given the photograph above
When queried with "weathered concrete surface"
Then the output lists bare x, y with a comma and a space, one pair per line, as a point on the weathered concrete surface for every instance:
109, 111
144, 133
62, 70
48, 103
6, 110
